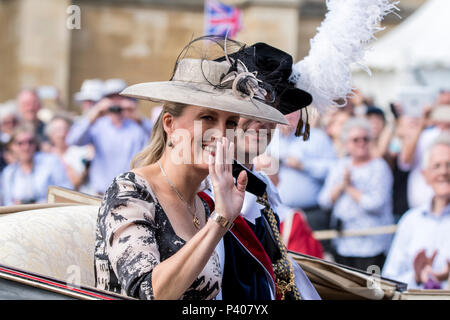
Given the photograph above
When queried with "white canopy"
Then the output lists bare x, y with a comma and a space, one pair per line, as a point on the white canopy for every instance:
415, 53
421, 41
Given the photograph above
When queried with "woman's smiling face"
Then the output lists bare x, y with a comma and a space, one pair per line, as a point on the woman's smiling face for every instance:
195, 132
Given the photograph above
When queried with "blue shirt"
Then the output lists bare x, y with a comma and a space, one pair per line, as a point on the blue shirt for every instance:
300, 188
147, 126
418, 229
47, 170
374, 180
114, 146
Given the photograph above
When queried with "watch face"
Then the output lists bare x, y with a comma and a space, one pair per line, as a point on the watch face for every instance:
220, 220
223, 222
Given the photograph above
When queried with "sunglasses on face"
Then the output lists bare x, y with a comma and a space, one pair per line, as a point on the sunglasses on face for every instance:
26, 142
360, 139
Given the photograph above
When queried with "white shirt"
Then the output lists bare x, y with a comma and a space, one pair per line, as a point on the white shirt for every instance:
74, 156
374, 180
252, 210
17, 185
316, 156
418, 229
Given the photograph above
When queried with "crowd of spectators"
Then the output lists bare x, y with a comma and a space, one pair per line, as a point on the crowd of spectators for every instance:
76, 152
363, 167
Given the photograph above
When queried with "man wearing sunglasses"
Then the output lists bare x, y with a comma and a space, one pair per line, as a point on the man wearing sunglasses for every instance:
106, 126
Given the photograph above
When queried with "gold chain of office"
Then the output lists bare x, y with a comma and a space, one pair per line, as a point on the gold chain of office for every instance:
283, 269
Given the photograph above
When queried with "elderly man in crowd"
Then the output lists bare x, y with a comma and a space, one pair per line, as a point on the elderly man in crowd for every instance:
420, 252
109, 131
29, 104
435, 120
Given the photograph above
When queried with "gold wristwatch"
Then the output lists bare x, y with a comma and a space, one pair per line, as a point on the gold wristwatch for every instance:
221, 220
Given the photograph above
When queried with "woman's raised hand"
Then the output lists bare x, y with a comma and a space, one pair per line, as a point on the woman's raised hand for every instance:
228, 196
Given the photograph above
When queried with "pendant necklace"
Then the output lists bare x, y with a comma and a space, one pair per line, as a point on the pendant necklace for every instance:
195, 220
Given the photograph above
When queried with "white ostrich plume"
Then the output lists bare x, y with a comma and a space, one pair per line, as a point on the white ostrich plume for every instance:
340, 41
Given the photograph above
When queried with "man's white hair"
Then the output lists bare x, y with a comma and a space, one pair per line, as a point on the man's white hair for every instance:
442, 139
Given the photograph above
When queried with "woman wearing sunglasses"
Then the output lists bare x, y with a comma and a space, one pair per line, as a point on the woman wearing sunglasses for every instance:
358, 190
27, 179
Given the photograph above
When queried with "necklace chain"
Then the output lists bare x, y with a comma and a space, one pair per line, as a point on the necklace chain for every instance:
195, 220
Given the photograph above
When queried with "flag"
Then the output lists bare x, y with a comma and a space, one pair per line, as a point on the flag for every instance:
221, 19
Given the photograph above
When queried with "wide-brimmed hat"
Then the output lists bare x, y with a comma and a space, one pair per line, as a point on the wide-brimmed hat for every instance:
113, 86
91, 89
229, 84
274, 68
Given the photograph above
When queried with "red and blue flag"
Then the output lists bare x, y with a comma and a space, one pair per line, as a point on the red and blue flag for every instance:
221, 19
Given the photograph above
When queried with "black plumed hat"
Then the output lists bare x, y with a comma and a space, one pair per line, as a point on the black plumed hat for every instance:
273, 67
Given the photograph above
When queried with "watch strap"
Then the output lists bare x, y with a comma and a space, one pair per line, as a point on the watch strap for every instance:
224, 222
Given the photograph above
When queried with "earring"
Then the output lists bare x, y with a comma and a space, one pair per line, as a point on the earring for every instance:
298, 131
170, 144
306, 133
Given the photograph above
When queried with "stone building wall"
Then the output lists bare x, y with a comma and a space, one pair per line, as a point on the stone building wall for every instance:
9, 41
137, 43
140, 42
35, 45
137, 40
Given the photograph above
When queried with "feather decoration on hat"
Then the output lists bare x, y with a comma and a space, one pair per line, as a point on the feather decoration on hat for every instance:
348, 27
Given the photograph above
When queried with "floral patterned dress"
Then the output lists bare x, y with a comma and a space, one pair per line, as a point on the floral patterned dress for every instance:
134, 235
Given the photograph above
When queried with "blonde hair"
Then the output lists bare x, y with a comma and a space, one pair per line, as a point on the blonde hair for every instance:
158, 140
